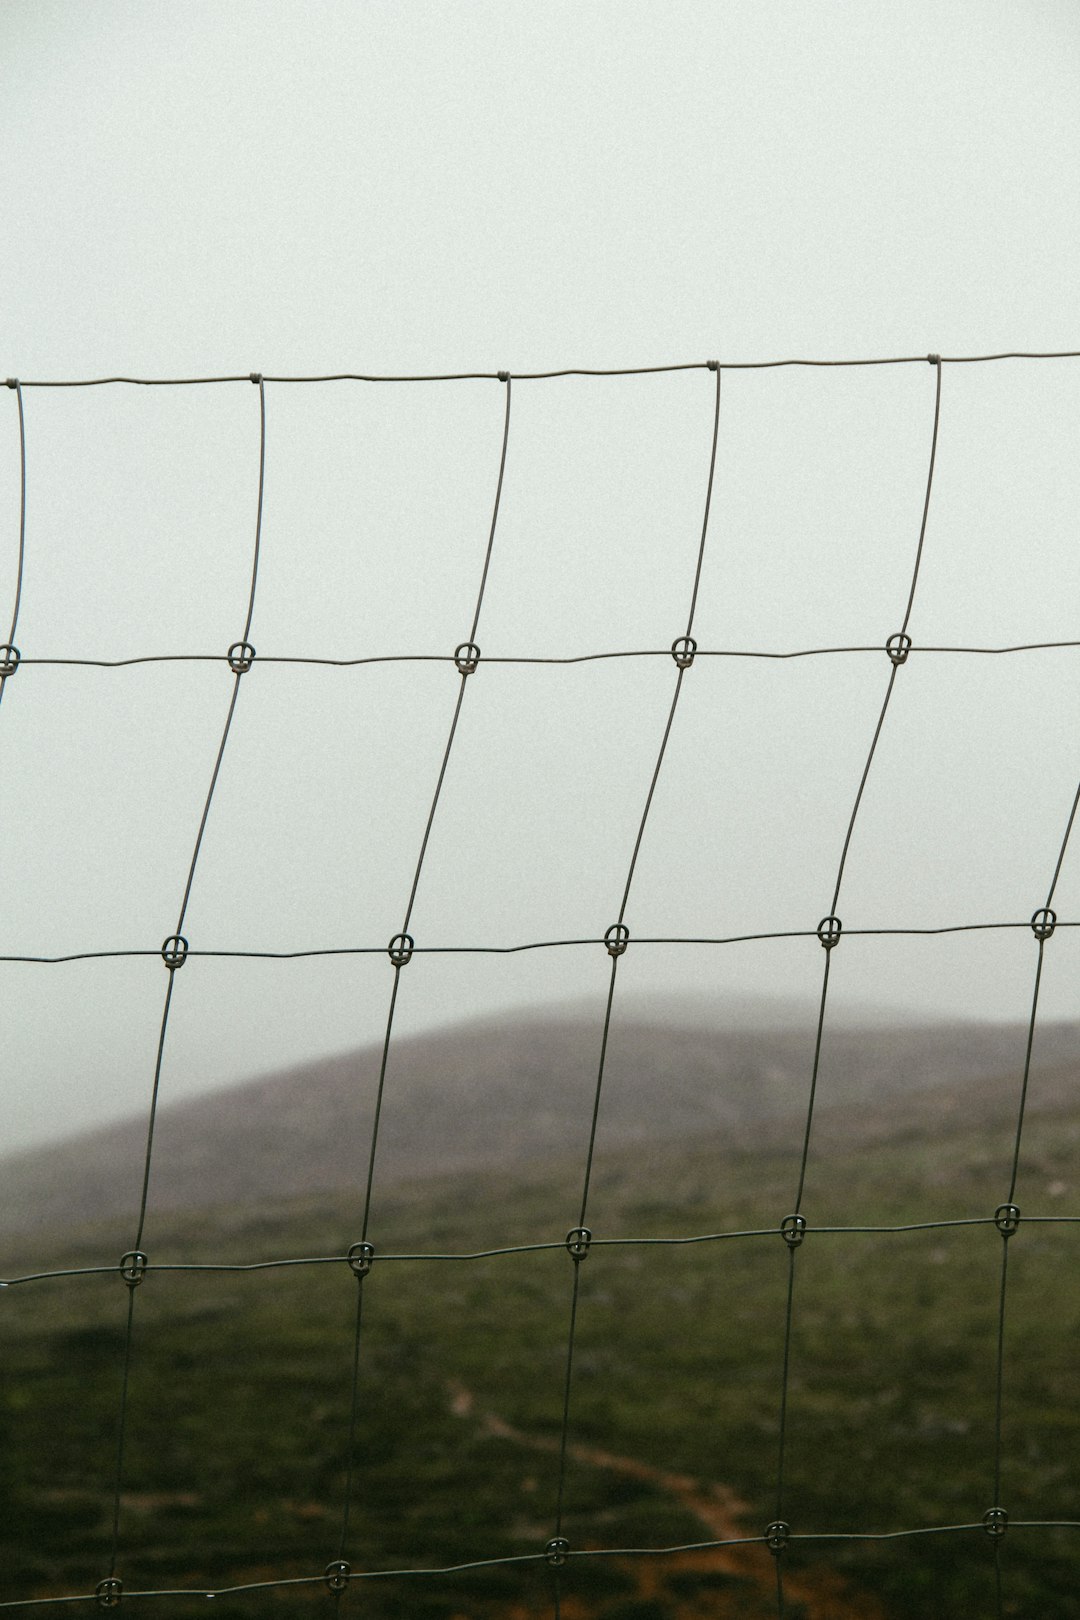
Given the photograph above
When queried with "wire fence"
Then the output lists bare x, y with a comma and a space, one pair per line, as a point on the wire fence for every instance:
559, 1551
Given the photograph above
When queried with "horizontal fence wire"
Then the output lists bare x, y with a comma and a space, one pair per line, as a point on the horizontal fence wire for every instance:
109, 1268
255, 955
567, 371
531, 658
584, 1554
347, 1567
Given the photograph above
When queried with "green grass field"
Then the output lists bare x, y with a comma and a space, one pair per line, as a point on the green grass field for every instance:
239, 1403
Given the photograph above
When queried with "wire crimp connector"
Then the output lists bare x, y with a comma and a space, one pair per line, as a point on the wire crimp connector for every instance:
133, 1267
360, 1258
557, 1551
577, 1242
107, 1593
336, 1574
776, 1536
1007, 1219
241, 656
793, 1230
400, 949
995, 1522
829, 930
617, 938
898, 647
683, 651
466, 657
9, 660
174, 952
1043, 923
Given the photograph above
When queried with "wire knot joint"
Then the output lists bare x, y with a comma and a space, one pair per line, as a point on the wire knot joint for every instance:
713, 365
174, 952
793, 1230
995, 1522
617, 938
829, 930
400, 949
898, 647
360, 1258
241, 656
133, 1267
1006, 1219
683, 651
336, 1574
577, 1243
9, 660
107, 1593
466, 657
934, 359
503, 376
776, 1536
1043, 922
557, 1551
256, 377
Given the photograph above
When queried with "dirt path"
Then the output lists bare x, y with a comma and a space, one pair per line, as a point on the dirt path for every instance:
811, 1594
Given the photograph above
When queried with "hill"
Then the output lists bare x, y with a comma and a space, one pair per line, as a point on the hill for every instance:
517, 1090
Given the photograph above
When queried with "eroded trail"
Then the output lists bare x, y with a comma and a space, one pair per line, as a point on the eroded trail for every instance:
811, 1594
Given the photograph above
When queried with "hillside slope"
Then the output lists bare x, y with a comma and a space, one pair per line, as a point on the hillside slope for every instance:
238, 1406
516, 1090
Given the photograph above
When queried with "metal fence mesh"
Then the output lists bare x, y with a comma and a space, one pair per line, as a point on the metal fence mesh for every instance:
344, 1569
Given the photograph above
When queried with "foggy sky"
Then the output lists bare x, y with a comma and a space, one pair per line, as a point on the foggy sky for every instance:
295, 189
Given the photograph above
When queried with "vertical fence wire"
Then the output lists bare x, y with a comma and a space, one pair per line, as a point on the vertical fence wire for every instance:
174, 953
829, 932
467, 658
578, 1240
9, 653
1007, 1216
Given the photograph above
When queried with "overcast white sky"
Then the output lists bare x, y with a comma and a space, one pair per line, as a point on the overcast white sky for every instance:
298, 188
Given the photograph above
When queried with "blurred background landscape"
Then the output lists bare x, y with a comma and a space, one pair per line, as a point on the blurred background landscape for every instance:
238, 1422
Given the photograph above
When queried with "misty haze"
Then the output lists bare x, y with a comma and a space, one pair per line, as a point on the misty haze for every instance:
539, 930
